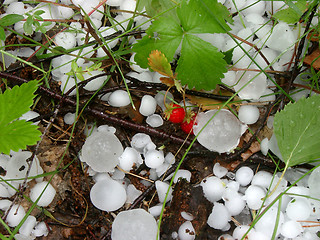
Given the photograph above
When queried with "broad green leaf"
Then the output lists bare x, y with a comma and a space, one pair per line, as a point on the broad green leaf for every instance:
195, 18
17, 135
159, 63
297, 131
16, 101
10, 19
165, 35
291, 15
201, 65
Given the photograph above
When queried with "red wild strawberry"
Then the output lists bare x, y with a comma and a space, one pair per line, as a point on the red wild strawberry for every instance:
187, 124
175, 113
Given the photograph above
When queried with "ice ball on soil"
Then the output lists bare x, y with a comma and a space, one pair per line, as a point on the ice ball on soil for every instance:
148, 105
28, 225
268, 221
154, 120
15, 215
136, 224
262, 179
219, 170
128, 158
162, 188
154, 159
108, 195
139, 141
281, 37
254, 196
119, 98
65, 39
219, 217
298, 209
254, 89
186, 231
223, 132
46, 197
248, 114
314, 183
213, 188
291, 229
244, 175
101, 151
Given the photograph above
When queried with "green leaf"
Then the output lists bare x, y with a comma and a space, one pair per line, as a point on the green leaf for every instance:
201, 65
38, 12
165, 35
17, 135
195, 18
297, 131
292, 14
10, 19
155, 7
16, 101
2, 34
27, 26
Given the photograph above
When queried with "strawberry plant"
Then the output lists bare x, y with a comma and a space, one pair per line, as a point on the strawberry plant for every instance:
200, 64
175, 113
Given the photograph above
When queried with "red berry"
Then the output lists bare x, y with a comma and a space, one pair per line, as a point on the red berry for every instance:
175, 113
187, 124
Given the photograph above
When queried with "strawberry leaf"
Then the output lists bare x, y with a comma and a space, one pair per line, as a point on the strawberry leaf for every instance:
293, 13
167, 33
200, 58
16, 101
297, 131
195, 18
16, 134
159, 63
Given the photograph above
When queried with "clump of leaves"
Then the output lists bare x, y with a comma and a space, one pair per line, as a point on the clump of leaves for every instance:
33, 20
200, 64
17, 134
78, 71
8, 20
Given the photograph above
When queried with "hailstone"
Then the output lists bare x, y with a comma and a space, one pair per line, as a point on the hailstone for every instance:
222, 134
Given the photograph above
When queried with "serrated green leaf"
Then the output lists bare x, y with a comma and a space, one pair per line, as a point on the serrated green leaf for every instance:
159, 63
17, 135
201, 65
10, 19
195, 18
297, 131
198, 59
16, 101
291, 15
165, 35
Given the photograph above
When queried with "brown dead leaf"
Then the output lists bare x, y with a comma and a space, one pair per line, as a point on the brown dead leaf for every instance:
313, 59
167, 81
